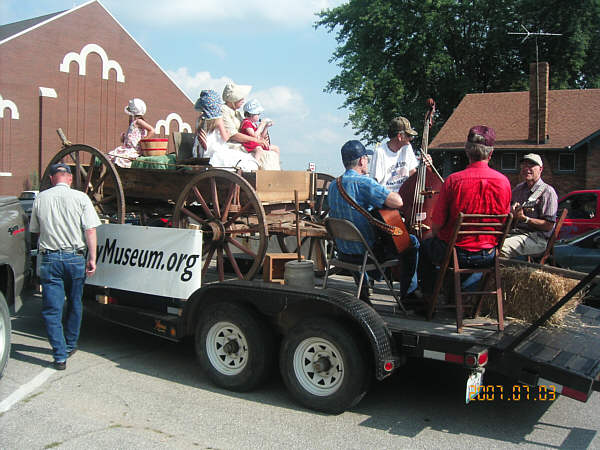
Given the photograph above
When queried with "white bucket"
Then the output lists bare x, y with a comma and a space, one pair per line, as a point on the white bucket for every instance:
299, 274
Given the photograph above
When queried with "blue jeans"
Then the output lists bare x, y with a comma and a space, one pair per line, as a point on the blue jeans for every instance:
62, 273
432, 254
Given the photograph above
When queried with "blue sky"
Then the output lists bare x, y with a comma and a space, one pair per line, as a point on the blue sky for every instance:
271, 45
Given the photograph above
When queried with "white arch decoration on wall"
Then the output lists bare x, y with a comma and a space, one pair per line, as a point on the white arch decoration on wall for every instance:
10, 105
183, 126
81, 58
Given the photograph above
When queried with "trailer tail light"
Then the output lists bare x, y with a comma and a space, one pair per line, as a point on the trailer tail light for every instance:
388, 366
471, 359
550, 386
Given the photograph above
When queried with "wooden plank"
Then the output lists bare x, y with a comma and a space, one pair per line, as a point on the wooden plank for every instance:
279, 185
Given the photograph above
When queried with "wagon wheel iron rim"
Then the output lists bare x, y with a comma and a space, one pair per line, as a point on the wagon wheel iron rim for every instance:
226, 208
92, 175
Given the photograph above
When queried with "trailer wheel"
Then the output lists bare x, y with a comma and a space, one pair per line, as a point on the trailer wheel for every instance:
4, 333
323, 366
234, 347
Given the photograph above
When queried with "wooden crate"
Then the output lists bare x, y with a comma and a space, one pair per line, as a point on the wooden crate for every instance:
274, 266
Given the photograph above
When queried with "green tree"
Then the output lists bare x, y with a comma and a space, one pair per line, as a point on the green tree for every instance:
394, 54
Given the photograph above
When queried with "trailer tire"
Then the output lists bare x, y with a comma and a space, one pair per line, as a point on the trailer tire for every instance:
324, 366
234, 347
4, 333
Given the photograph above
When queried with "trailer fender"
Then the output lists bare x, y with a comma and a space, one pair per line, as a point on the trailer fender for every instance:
285, 306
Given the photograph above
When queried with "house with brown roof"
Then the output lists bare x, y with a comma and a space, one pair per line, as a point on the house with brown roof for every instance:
562, 126
75, 70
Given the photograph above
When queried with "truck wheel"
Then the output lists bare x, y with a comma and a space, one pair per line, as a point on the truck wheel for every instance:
4, 333
323, 366
234, 346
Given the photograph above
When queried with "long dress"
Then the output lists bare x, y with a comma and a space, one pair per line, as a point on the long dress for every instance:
223, 154
130, 150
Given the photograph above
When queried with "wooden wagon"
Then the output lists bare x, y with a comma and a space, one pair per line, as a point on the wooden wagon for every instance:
237, 211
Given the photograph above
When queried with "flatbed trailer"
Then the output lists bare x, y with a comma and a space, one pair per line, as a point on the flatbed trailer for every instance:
329, 344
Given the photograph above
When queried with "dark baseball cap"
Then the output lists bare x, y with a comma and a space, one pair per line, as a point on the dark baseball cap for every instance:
401, 124
352, 150
481, 134
60, 167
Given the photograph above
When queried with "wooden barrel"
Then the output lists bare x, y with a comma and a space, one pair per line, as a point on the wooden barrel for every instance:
154, 147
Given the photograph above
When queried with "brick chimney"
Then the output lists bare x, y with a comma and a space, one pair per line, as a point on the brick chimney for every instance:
539, 79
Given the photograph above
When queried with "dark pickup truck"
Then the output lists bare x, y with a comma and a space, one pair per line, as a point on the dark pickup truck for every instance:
13, 267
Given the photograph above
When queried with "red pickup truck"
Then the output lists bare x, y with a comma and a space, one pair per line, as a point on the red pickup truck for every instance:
584, 212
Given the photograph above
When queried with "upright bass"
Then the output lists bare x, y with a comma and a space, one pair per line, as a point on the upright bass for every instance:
420, 191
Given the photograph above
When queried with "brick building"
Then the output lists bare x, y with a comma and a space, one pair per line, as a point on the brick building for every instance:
562, 126
75, 70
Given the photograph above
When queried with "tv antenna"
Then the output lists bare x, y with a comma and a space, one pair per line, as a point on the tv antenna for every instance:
527, 35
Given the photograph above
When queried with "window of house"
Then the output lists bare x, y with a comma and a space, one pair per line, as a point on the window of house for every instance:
508, 161
566, 162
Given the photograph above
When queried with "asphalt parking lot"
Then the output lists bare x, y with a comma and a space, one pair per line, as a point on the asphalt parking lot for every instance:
125, 389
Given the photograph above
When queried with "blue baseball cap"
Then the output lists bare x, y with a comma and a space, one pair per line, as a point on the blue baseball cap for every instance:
60, 167
352, 150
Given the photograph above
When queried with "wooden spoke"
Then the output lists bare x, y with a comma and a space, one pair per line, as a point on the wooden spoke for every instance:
100, 181
233, 262
88, 178
228, 201
200, 199
102, 186
220, 266
193, 216
237, 215
215, 197
241, 246
207, 259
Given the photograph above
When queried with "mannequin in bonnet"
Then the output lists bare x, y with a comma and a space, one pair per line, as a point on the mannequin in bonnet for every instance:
138, 128
234, 96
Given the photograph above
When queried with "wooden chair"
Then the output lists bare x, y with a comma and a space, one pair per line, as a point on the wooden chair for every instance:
184, 144
496, 225
347, 231
549, 252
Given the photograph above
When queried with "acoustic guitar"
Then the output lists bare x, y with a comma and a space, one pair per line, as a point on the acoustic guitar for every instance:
392, 217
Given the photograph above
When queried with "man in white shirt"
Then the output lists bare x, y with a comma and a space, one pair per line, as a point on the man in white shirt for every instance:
394, 161
66, 221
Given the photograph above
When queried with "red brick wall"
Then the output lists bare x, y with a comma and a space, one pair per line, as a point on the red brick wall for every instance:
89, 109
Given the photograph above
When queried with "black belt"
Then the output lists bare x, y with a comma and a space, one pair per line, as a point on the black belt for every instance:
78, 251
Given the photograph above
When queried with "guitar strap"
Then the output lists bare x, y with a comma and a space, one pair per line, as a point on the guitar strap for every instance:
386, 228
537, 193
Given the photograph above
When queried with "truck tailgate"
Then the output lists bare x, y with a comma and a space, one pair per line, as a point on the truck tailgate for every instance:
566, 357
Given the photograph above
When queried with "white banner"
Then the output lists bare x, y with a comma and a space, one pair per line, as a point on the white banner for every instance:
152, 260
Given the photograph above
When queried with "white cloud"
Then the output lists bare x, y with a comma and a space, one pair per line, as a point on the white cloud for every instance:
276, 12
193, 84
282, 101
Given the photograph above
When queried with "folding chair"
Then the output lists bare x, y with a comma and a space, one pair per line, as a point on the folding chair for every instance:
549, 252
497, 225
345, 230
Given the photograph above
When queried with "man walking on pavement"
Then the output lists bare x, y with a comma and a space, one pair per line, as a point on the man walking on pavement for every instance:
66, 222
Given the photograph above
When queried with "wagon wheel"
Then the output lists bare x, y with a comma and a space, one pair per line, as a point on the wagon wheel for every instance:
227, 210
95, 175
318, 214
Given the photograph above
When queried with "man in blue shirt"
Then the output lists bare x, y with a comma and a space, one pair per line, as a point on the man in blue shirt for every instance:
369, 194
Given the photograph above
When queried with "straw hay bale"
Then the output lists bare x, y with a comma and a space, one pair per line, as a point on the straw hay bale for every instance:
529, 292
